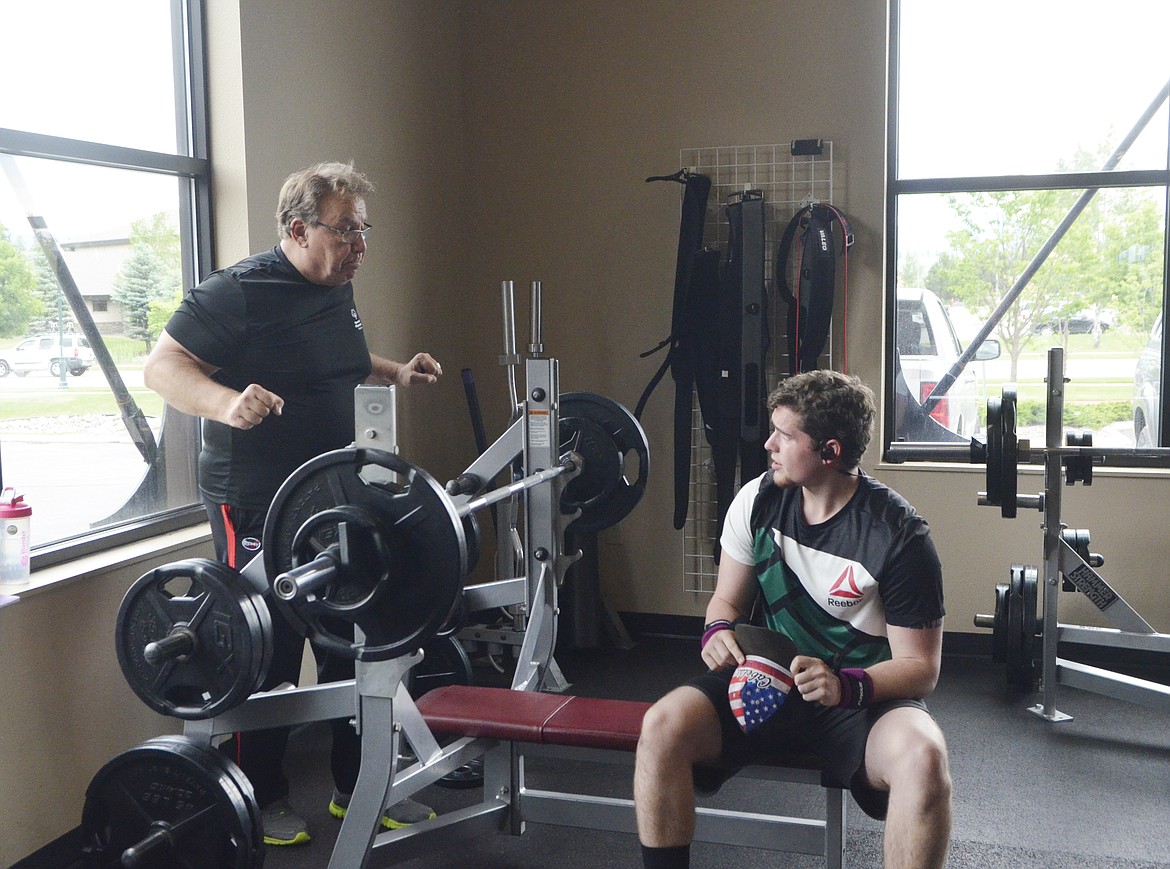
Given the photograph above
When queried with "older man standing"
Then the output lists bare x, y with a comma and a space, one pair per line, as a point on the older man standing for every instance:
268, 352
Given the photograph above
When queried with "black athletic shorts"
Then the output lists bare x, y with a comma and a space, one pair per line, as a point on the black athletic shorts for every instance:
836, 736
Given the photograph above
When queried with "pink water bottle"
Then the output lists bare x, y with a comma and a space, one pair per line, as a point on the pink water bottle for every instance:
15, 518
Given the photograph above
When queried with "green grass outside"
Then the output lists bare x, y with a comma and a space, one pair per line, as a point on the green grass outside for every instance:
77, 402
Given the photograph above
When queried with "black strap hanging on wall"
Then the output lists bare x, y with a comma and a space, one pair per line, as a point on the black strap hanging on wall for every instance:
695, 286
735, 429
810, 303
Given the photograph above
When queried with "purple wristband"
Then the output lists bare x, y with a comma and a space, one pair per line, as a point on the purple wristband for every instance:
712, 628
856, 688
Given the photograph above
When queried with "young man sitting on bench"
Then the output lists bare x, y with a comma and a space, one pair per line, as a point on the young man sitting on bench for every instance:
850, 580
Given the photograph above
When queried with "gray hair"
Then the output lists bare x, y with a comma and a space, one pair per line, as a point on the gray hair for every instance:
303, 191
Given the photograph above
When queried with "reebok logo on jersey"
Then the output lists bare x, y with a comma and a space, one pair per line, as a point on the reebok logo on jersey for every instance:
357, 321
845, 592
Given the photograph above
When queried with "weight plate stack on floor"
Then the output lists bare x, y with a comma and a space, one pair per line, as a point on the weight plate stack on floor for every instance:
171, 803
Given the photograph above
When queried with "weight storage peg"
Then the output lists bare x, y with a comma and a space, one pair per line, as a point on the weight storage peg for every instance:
169, 803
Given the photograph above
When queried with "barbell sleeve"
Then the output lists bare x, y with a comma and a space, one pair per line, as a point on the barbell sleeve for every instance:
300, 580
505, 492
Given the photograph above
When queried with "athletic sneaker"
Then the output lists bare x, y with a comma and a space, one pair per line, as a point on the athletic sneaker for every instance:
401, 814
282, 825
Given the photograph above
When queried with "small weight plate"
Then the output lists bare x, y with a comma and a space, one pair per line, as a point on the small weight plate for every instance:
170, 803
604, 492
232, 630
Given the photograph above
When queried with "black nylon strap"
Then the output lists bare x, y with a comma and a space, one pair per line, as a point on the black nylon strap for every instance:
810, 305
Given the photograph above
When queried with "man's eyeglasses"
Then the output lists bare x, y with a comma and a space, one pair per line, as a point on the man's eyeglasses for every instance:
349, 236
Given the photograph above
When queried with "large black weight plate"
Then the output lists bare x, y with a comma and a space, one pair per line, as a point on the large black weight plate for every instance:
425, 543
445, 662
171, 803
1021, 626
616, 456
232, 630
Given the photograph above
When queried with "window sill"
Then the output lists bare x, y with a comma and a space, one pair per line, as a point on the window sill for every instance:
150, 549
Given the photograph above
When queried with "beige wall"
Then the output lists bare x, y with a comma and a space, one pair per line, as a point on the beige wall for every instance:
571, 105
510, 140
65, 708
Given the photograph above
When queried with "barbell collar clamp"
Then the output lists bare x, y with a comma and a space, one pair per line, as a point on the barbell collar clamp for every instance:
306, 578
464, 484
179, 643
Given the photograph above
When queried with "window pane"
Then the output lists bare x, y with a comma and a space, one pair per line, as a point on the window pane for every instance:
101, 72
1003, 87
1098, 295
77, 441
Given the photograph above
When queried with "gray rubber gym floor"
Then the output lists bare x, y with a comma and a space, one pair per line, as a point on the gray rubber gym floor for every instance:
1093, 792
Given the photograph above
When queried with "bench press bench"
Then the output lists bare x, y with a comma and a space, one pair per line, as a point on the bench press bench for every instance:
533, 724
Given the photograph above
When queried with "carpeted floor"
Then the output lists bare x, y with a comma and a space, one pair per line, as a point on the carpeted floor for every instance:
1090, 793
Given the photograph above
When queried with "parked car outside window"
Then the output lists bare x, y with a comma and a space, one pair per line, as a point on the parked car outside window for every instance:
927, 347
1147, 383
48, 353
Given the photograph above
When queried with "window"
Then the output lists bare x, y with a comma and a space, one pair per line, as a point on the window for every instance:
1027, 201
104, 219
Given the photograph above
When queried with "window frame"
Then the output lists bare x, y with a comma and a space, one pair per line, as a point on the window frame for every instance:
899, 451
195, 231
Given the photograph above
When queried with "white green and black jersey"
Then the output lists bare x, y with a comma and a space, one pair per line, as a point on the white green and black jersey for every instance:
833, 588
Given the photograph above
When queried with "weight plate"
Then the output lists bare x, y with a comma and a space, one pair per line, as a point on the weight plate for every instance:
171, 803
1022, 626
1009, 464
601, 430
359, 541
229, 626
405, 601
1000, 628
1015, 624
445, 662
1030, 644
994, 452
200, 753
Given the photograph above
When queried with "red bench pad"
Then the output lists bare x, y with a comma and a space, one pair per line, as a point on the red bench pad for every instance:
552, 719
529, 716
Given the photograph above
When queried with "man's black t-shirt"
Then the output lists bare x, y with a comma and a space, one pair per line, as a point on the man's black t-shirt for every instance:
260, 321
